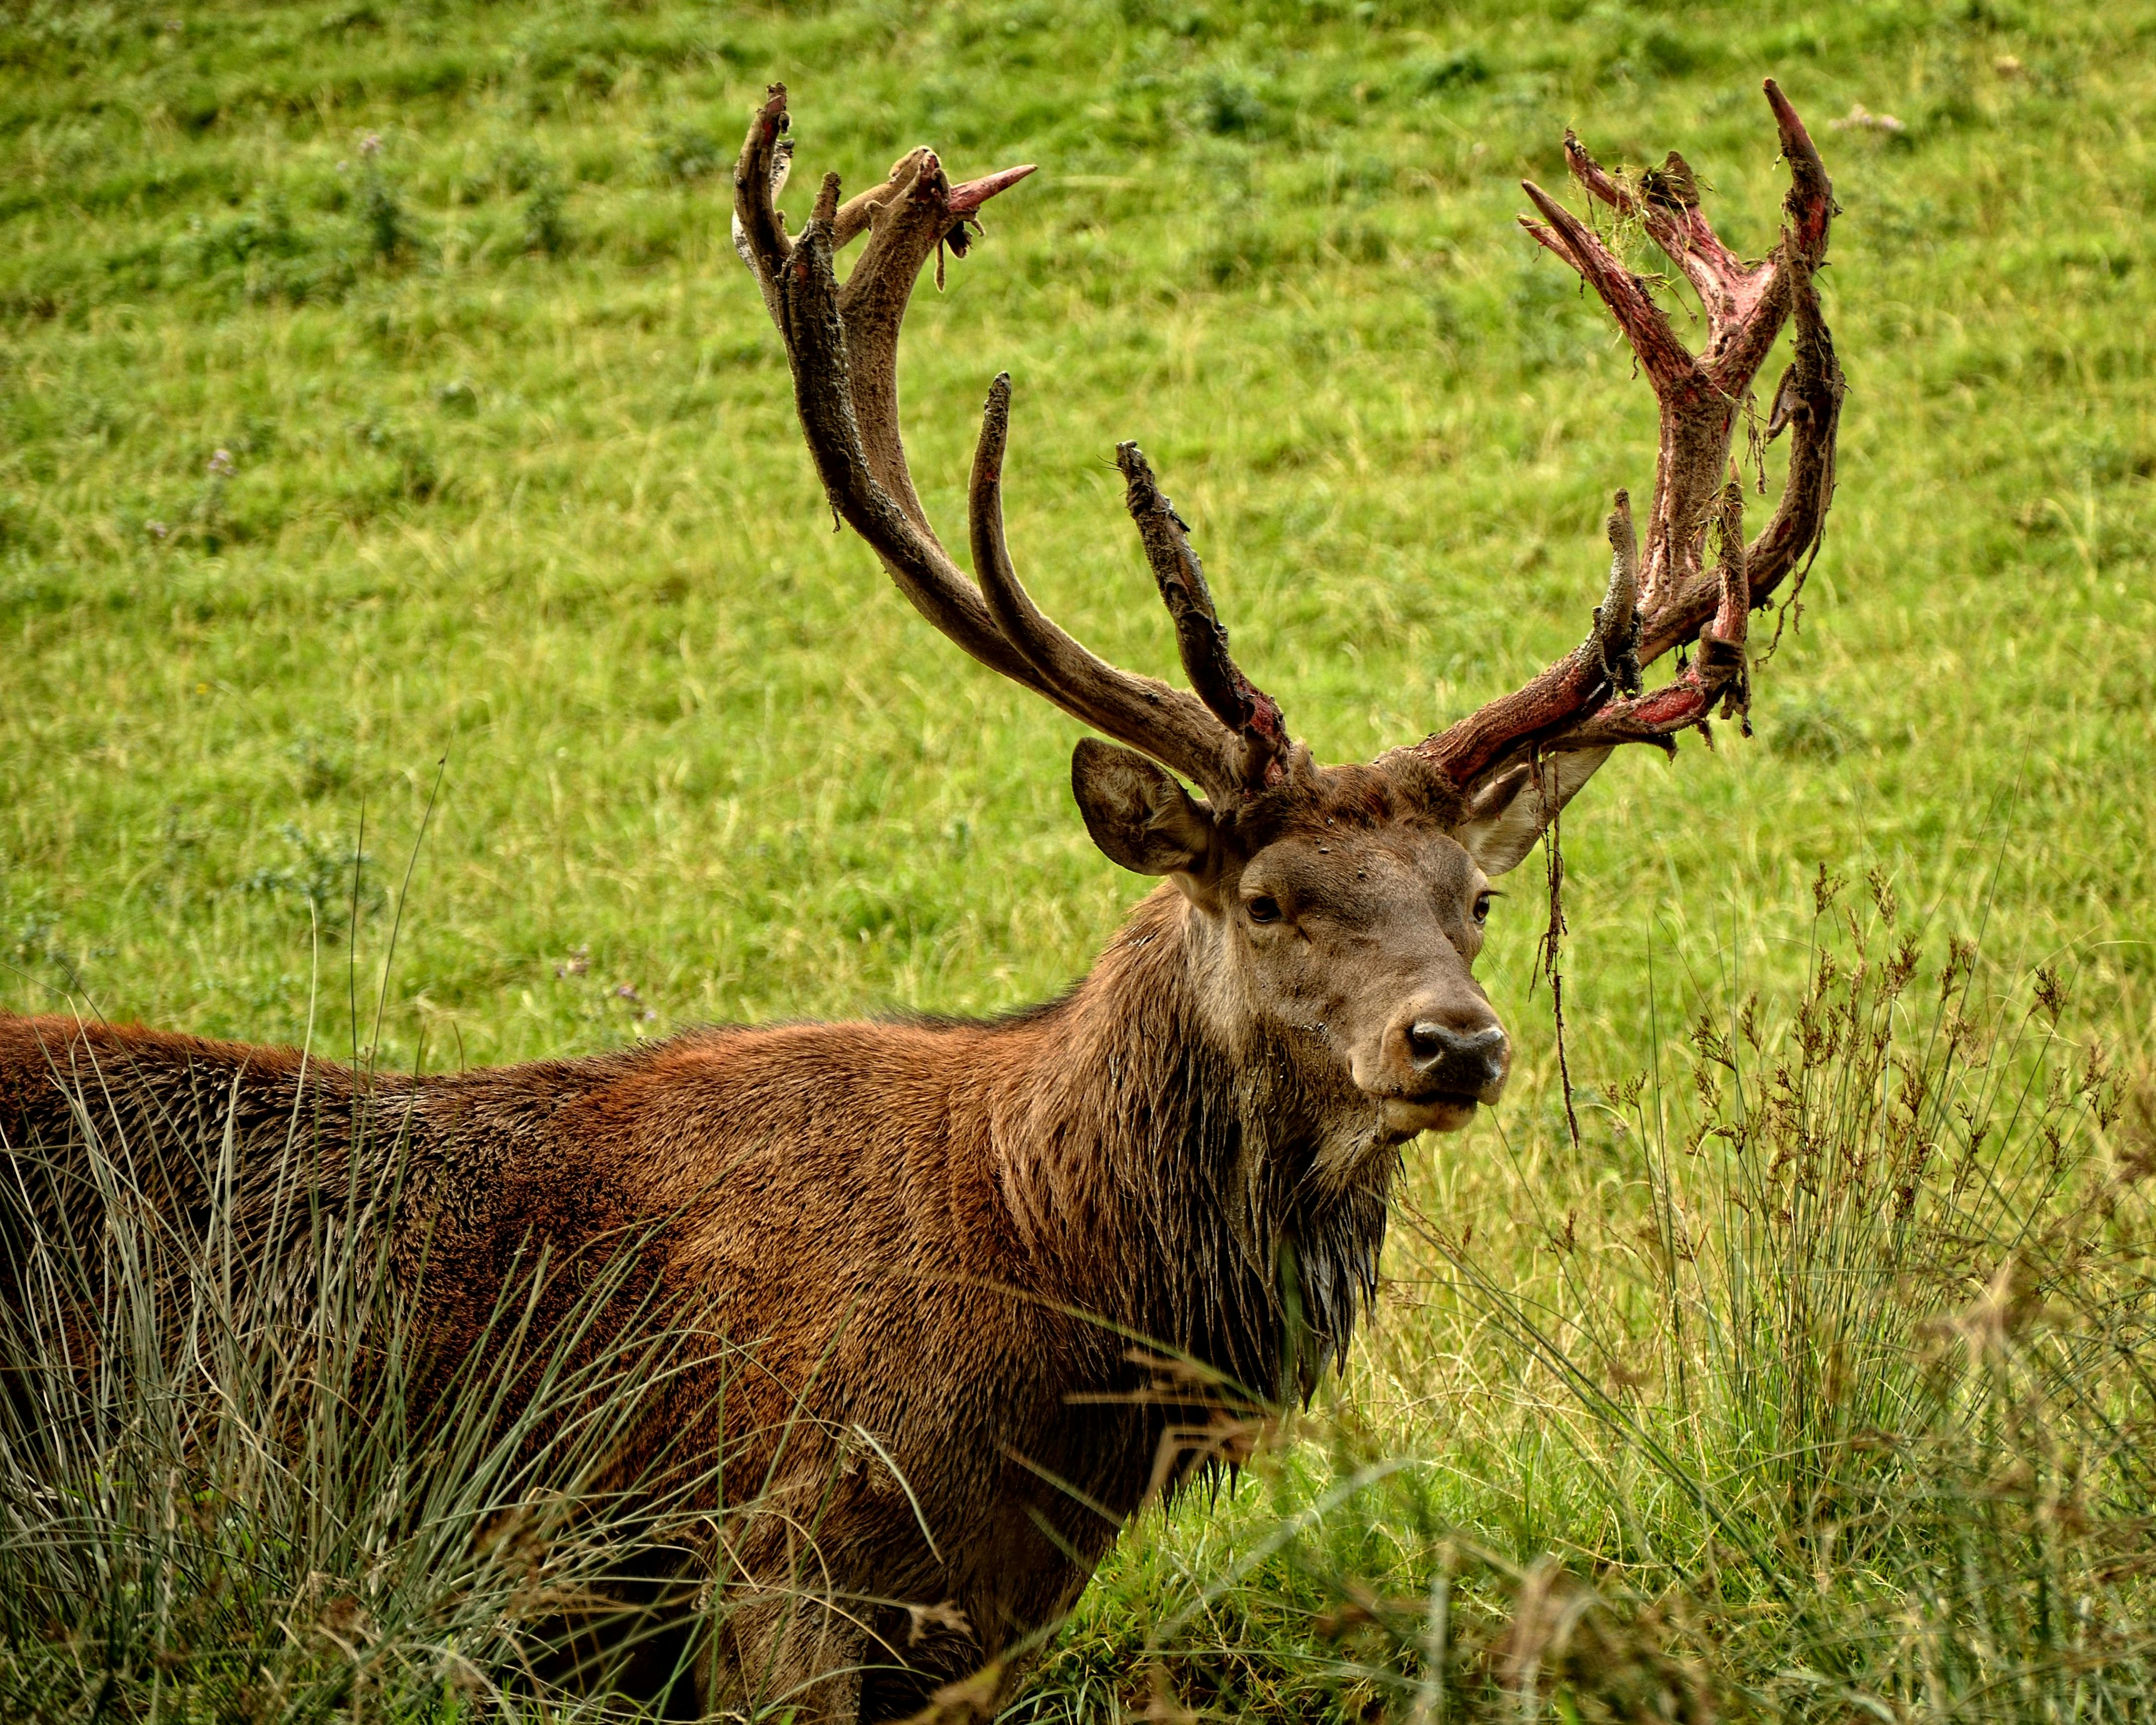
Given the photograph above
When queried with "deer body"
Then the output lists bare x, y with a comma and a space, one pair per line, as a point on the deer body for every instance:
943, 1235
965, 1291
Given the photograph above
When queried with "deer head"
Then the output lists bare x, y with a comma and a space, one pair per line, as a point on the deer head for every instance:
1336, 910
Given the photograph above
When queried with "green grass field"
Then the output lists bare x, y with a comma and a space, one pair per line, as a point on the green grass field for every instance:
387, 425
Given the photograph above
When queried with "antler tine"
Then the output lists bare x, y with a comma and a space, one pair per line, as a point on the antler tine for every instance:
904, 228
905, 219
1583, 701
1718, 674
910, 212
1250, 714
759, 229
1164, 722
1808, 210
1644, 322
1808, 405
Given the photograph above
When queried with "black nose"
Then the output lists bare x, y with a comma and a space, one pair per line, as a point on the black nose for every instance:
1467, 1062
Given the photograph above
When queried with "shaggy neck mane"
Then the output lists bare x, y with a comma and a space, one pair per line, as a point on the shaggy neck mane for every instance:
1165, 1182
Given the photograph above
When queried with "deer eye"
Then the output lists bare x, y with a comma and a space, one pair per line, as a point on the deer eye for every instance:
1263, 909
1482, 902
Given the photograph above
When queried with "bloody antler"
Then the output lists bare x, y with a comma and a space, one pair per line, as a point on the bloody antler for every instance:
842, 342
1661, 594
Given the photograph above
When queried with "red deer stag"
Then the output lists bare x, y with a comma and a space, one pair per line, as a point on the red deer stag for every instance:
945, 1236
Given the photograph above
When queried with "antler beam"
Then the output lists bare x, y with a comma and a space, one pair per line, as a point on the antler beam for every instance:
842, 343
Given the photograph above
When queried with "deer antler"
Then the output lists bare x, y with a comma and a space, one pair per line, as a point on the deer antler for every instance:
1663, 596
842, 342
1229, 737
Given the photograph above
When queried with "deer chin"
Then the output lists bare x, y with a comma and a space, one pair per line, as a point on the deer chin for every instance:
1404, 1117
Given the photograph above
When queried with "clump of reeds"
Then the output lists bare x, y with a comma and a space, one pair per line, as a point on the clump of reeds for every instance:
233, 1485
1837, 1404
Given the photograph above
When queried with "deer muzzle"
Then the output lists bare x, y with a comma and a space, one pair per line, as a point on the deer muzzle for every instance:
1430, 1074
1471, 1063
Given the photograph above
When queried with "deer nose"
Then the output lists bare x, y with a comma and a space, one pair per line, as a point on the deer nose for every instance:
1468, 1063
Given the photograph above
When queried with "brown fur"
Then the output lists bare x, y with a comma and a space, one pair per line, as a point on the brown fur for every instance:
948, 1234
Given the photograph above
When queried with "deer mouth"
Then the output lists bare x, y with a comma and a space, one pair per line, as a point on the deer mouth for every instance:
1434, 1111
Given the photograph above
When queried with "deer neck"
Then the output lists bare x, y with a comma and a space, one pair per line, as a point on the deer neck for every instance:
1157, 1163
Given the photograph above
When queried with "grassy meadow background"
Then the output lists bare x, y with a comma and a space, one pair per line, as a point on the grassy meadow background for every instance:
387, 425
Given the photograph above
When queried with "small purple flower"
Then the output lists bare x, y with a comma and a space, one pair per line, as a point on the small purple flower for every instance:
371, 144
220, 464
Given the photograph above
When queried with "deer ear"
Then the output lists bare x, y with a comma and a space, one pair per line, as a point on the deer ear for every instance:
1138, 813
1508, 814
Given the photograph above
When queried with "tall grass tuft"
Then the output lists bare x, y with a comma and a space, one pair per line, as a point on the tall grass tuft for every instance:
1837, 1406
235, 1485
